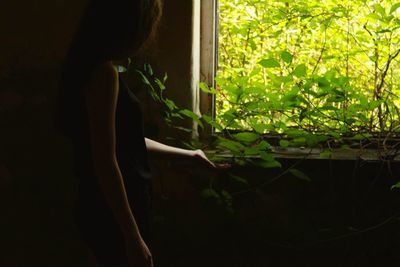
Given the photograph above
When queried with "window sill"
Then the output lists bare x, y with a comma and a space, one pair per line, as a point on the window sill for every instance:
335, 154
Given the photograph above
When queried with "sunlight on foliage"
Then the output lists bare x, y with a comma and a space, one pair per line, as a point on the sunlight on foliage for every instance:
326, 67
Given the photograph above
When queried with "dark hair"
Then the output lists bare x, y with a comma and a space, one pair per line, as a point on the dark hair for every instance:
108, 30
111, 28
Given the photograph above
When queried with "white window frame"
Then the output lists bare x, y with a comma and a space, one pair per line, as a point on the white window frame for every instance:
205, 56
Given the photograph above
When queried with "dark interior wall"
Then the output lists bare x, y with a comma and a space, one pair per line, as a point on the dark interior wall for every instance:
36, 33
37, 185
35, 164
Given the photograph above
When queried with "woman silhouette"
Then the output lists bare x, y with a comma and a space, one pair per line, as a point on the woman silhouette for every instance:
103, 119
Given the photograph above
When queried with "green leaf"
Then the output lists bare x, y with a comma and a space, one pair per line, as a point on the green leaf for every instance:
176, 115
266, 156
269, 164
299, 174
160, 84
395, 186
192, 115
359, 137
295, 133
144, 78
246, 137
259, 127
284, 143
263, 145
148, 69
251, 151
212, 122
230, 145
299, 141
394, 8
206, 89
380, 9
325, 154
287, 57
170, 104
165, 78
374, 104
374, 16
300, 71
269, 63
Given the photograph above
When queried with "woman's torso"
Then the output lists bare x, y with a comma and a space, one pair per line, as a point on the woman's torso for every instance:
130, 144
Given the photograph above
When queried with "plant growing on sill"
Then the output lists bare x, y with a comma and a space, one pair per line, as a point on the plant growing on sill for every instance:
242, 148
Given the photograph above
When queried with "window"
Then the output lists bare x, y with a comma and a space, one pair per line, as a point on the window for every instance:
310, 71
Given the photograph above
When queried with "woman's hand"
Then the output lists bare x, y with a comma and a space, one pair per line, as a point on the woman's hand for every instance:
201, 158
139, 254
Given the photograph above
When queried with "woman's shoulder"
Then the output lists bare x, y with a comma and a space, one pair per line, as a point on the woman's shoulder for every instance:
105, 71
104, 79
107, 67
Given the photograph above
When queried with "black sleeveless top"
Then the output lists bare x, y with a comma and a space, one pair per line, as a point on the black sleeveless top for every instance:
130, 141
131, 146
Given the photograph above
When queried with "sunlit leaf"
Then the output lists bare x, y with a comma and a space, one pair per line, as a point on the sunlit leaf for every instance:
380, 9
269, 63
287, 57
394, 7
300, 70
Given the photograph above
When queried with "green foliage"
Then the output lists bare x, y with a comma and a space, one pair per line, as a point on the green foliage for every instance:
311, 73
244, 147
327, 68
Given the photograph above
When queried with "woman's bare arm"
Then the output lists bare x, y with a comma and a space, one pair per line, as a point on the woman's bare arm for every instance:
159, 149
170, 152
101, 100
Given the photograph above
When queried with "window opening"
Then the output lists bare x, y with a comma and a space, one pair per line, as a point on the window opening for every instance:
309, 70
